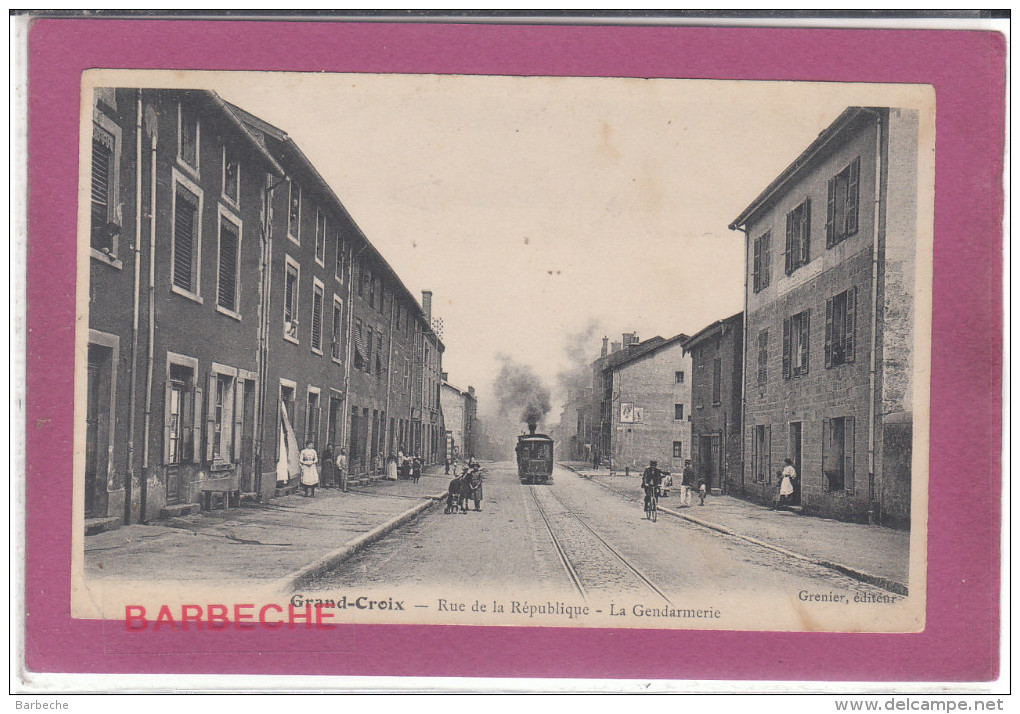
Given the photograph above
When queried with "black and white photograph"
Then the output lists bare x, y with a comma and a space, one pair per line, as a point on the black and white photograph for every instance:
495, 350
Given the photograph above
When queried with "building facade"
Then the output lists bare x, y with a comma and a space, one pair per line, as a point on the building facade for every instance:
828, 358
460, 409
646, 401
716, 383
226, 285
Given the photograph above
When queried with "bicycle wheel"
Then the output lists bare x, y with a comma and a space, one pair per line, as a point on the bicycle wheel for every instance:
653, 508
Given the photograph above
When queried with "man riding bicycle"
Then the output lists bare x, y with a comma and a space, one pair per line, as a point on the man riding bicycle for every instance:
651, 480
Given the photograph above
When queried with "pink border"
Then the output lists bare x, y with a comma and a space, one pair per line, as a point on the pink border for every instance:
967, 70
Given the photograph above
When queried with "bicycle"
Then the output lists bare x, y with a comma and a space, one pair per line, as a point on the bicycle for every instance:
652, 505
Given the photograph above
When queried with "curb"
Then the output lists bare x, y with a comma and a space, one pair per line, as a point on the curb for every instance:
351, 547
876, 580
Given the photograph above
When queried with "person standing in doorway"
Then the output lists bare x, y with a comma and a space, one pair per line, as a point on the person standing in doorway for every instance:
328, 467
309, 470
341, 470
786, 487
416, 469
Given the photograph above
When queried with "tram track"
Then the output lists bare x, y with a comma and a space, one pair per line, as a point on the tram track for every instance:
585, 561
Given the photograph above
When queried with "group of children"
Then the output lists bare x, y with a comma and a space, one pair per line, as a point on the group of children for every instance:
467, 486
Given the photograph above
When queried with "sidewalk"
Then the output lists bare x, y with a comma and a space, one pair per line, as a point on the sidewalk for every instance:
874, 554
259, 541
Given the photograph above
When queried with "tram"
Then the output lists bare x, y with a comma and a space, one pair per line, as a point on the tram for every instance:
534, 457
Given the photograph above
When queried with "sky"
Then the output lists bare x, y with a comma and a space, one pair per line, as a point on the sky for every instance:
537, 207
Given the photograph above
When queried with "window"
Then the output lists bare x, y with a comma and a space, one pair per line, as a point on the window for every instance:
838, 453
841, 219
678, 412
294, 213
361, 280
317, 300
359, 345
798, 236
761, 453
187, 136
340, 250
180, 415
338, 327
229, 273
292, 282
320, 237
716, 380
221, 417
231, 176
796, 334
312, 417
763, 357
105, 175
678, 377
840, 324
187, 236
762, 261
378, 355
369, 345
678, 449
370, 287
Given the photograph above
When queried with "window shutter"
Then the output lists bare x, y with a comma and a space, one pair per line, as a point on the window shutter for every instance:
848, 453
852, 196
210, 416
790, 251
166, 424
787, 348
768, 453
805, 340
830, 213
828, 332
805, 234
757, 264
196, 427
227, 293
184, 239
851, 322
826, 437
238, 417
766, 260
754, 452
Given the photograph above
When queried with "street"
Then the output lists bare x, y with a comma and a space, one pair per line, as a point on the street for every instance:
574, 538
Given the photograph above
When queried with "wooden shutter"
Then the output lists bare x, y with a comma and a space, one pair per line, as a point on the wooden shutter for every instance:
828, 332
227, 289
848, 454
805, 340
754, 452
766, 259
851, 322
830, 213
768, 453
210, 416
792, 251
787, 348
757, 264
805, 233
196, 426
826, 437
238, 417
852, 196
166, 423
184, 239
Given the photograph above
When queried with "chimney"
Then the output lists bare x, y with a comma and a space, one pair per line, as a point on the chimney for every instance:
445, 376
426, 305
630, 338
471, 391
605, 346
617, 347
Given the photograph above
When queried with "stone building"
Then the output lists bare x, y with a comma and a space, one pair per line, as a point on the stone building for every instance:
460, 409
645, 403
235, 312
716, 384
830, 248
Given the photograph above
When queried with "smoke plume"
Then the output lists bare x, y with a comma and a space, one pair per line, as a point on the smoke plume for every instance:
581, 349
520, 391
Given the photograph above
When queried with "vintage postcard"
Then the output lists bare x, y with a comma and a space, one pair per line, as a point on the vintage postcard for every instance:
571, 352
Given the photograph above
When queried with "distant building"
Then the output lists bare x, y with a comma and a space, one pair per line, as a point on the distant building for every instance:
830, 260
644, 404
716, 383
460, 410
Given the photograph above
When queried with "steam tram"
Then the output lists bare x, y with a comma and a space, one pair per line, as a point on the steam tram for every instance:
534, 457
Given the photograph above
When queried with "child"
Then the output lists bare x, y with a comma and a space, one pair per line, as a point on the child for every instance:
702, 491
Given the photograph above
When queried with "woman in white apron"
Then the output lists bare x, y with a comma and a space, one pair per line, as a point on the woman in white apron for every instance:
309, 470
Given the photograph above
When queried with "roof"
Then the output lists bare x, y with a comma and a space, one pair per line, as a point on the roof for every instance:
293, 152
710, 330
658, 346
844, 121
227, 110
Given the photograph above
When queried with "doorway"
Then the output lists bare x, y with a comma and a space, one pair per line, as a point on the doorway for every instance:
796, 434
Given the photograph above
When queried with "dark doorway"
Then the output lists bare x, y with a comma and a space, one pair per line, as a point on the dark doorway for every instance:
796, 431
97, 427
